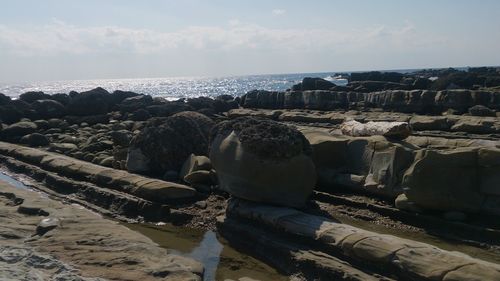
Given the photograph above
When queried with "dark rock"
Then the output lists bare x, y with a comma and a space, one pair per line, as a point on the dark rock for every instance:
17, 130
93, 102
481, 110
48, 108
35, 140
205, 123
265, 138
89, 120
46, 225
377, 76
32, 211
165, 143
64, 99
140, 115
118, 96
4, 99
168, 109
30, 97
121, 138
309, 83
135, 103
421, 83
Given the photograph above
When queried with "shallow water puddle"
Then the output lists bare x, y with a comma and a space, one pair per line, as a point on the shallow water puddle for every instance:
220, 260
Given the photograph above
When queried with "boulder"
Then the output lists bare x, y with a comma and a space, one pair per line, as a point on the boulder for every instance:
395, 130
93, 102
48, 108
165, 143
262, 160
132, 104
309, 83
121, 137
30, 97
17, 130
35, 139
4, 99
195, 163
481, 110
140, 115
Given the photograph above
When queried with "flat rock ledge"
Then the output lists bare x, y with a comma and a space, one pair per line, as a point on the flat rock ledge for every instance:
320, 248
143, 187
111, 192
77, 244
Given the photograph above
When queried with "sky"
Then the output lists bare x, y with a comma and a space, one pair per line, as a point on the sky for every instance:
102, 39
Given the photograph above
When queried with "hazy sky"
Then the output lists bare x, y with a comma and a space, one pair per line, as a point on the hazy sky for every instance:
87, 39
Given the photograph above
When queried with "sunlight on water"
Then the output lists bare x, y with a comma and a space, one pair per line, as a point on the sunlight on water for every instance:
172, 88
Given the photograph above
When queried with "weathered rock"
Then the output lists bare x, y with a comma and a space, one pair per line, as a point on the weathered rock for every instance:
164, 144
93, 102
252, 157
46, 225
481, 110
35, 139
195, 163
30, 97
135, 103
309, 83
17, 130
121, 137
47, 109
454, 180
395, 130
63, 147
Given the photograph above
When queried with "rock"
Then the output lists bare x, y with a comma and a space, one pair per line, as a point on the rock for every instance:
93, 102
42, 124
63, 99
309, 83
430, 123
107, 162
57, 123
195, 163
35, 139
403, 203
168, 109
251, 156
135, 103
455, 216
17, 130
140, 115
395, 130
63, 147
121, 137
481, 110
447, 180
171, 176
49, 108
30, 97
204, 122
4, 99
46, 225
199, 177
165, 143
376, 76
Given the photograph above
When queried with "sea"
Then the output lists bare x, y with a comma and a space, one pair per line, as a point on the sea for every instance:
175, 87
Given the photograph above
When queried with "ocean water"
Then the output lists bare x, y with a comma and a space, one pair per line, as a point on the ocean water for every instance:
170, 88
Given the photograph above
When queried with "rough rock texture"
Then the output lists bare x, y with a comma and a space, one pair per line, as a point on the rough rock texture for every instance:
93, 102
150, 189
16, 131
464, 179
395, 130
372, 164
166, 143
389, 255
47, 109
263, 161
82, 243
411, 101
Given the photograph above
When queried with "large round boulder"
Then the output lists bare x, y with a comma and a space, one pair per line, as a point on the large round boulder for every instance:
165, 143
262, 160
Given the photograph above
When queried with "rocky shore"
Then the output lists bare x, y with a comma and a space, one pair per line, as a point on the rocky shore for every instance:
273, 172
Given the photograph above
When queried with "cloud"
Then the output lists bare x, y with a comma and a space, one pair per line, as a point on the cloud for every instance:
59, 37
278, 12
